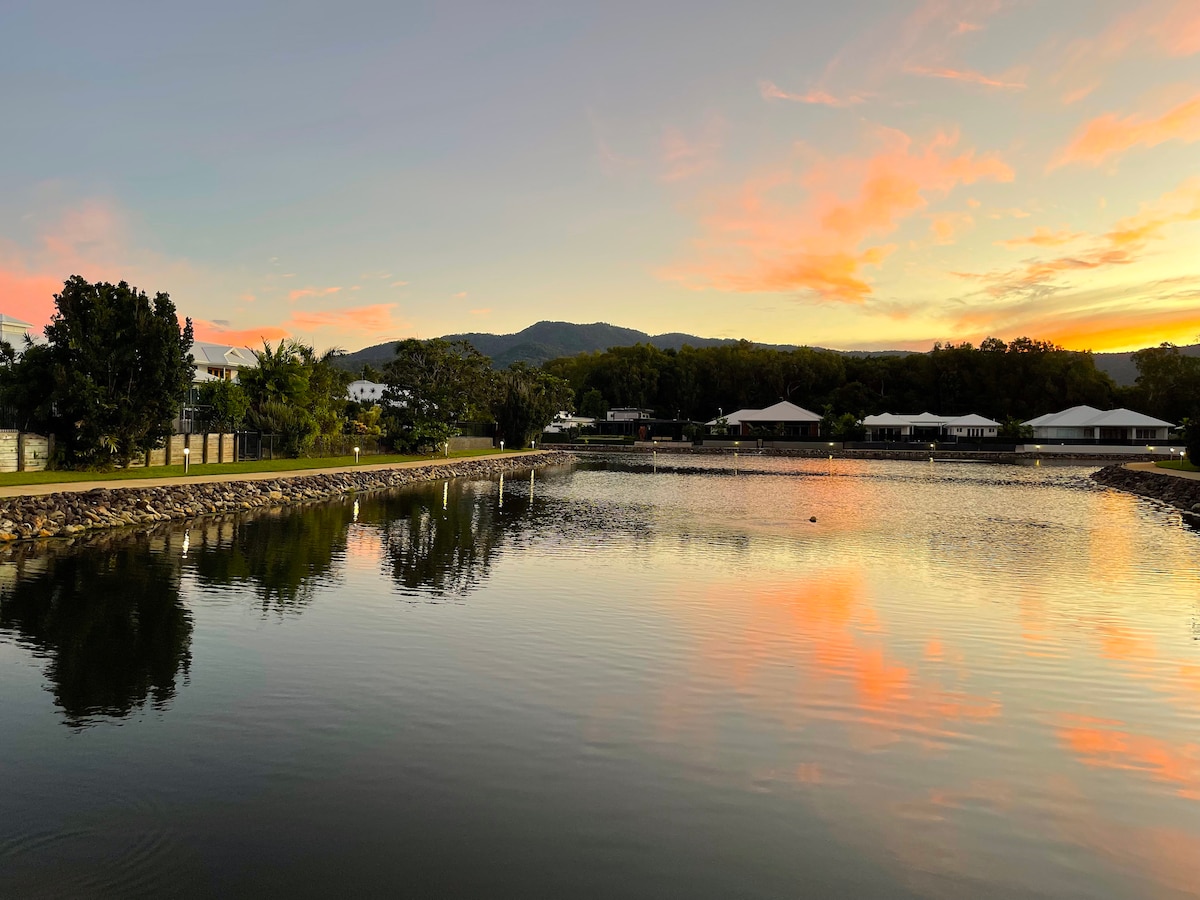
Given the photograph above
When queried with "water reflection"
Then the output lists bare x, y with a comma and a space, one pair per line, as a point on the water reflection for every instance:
109, 622
282, 555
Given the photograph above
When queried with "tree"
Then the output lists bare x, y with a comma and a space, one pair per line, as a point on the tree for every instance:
120, 366
1191, 434
433, 384
526, 401
227, 402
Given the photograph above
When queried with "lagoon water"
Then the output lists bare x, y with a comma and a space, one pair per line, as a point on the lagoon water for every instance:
611, 680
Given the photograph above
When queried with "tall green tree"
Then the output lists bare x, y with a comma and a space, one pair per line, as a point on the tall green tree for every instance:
433, 384
120, 366
526, 402
228, 404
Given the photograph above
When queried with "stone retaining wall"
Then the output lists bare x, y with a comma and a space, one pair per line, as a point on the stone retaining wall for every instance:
68, 514
1182, 493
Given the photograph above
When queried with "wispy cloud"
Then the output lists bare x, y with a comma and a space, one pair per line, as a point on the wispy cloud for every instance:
219, 332
683, 157
459, 295
771, 91
377, 318
1108, 136
967, 75
1043, 237
398, 284
312, 292
484, 311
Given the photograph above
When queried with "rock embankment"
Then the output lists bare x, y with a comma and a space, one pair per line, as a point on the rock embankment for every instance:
68, 513
1182, 493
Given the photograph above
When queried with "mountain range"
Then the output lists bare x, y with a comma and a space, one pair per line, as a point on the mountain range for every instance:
544, 341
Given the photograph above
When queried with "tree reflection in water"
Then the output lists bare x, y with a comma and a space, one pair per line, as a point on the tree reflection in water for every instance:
108, 619
283, 554
431, 549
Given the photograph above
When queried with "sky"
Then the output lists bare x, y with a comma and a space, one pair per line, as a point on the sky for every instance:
863, 174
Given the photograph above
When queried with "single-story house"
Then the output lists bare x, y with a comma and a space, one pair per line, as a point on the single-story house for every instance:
565, 420
628, 414
1086, 423
927, 426
783, 419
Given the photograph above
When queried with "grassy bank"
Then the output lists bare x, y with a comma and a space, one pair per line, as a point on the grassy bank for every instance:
1182, 465
270, 465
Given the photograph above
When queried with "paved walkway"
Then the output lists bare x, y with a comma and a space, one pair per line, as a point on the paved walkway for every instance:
64, 487
1151, 467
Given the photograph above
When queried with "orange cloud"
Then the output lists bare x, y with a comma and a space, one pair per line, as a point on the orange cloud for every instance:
246, 337
361, 319
772, 91
1109, 136
764, 239
946, 226
312, 292
1043, 237
967, 75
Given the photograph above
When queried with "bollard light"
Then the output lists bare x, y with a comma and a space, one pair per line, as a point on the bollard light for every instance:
447, 449
502, 446
187, 456
356, 452
533, 445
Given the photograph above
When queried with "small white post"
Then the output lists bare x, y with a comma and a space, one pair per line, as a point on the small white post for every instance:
187, 457
502, 446
356, 451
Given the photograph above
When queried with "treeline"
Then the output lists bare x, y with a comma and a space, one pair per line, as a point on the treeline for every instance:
1016, 380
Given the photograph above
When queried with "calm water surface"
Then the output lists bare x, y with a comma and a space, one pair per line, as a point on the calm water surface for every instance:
607, 680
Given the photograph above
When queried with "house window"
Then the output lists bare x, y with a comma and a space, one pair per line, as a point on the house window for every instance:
1147, 434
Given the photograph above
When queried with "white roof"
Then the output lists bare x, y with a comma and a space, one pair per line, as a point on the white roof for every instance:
973, 421
209, 354
886, 420
780, 412
15, 323
1090, 417
361, 389
734, 418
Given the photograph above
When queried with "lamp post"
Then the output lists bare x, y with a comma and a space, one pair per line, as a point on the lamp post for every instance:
187, 457
502, 446
356, 452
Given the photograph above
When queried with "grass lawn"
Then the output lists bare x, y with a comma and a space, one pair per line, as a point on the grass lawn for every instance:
269, 465
1181, 464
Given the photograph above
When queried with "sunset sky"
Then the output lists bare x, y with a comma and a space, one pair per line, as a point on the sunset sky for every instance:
859, 174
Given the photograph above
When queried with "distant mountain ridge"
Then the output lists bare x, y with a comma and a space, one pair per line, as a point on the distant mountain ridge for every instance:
544, 341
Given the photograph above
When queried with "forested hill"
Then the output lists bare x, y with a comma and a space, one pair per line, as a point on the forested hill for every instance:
1120, 366
545, 341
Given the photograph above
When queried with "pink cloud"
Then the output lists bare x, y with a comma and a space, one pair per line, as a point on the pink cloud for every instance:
398, 284
765, 238
772, 91
312, 292
485, 311
967, 75
459, 295
945, 227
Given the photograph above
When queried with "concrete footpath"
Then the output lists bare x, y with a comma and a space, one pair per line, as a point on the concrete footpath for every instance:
1151, 467
70, 487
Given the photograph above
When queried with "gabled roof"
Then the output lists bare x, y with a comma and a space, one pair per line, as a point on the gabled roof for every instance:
783, 411
886, 420
1090, 417
15, 323
734, 418
206, 353
972, 421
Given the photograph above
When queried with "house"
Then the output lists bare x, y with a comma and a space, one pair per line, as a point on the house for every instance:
13, 331
628, 414
972, 426
565, 420
784, 419
927, 426
1091, 425
220, 362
